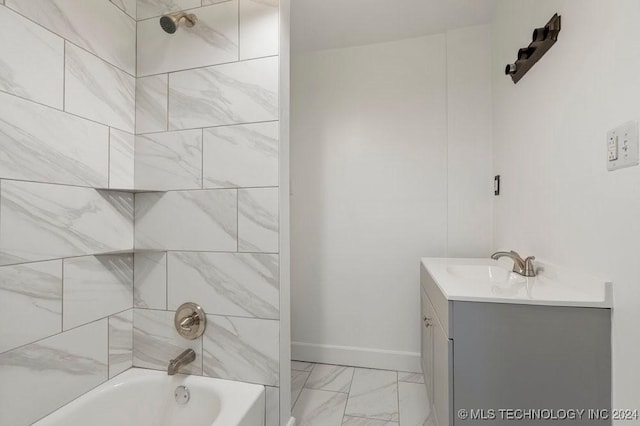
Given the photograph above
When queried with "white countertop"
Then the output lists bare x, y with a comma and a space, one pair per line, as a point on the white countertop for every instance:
487, 280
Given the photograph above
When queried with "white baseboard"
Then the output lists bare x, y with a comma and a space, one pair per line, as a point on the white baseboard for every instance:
360, 357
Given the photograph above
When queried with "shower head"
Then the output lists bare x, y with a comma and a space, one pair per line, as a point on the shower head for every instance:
169, 23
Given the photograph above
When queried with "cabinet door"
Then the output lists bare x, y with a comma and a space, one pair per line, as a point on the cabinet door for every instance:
426, 327
442, 351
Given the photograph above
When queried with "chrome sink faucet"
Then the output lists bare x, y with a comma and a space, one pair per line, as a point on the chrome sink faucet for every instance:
184, 358
521, 266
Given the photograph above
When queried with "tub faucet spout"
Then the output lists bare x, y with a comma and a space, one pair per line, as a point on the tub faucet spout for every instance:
184, 358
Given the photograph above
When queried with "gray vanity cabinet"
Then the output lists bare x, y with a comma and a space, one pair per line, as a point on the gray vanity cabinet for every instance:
482, 356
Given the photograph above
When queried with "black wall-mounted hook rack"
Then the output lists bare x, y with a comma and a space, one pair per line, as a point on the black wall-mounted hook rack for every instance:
543, 39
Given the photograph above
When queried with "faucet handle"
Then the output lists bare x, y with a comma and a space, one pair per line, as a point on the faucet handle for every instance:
516, 254
529, 268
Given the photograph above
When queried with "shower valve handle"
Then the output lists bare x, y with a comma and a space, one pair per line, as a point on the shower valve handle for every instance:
187, 323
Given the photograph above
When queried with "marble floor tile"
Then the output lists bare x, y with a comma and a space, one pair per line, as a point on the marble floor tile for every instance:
374, 394
319, 408
404, 376
335, 378
361, 421
298, 379
301, 366
414, 405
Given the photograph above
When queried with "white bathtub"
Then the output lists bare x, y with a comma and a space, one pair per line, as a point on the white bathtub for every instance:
140, 397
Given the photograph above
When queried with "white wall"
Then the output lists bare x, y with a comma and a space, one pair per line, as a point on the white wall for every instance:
469, 136
558, 201
370, 189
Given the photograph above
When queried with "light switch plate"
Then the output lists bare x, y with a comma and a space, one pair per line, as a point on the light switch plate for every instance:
622, 146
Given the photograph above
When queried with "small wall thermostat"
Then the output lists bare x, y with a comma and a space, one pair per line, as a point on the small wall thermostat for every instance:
622, 146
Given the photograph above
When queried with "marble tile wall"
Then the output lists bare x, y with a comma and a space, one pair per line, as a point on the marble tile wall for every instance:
194, 119
207, 130
67, 86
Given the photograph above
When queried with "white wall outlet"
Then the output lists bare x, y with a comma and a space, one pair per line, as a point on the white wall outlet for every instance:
622, 146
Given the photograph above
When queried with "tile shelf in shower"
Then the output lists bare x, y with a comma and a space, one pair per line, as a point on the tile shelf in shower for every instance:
128, 251
130, 190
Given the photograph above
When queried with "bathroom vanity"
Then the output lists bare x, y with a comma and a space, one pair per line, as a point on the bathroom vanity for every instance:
498, 347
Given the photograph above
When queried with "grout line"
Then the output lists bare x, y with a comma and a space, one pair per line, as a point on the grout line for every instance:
398, 395
74, 114
344, 412
168, 98
237, 221
109, 158
202, 160
248, 123
209, 66
65, 39
62, 295
108, 347
58, 334
64, 74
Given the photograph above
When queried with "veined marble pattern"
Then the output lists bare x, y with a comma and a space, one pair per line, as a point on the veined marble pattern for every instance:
272, 406
152, 8
31, 60
55, 148
244, 349
40, 378
121, 159
374, 394
236, 93
241, 156
156, 341
97, 90
334, 378
235, 284
213, 40
298, 380
127, 6
120, 342
258, 220
151, 103
413, 407
170, 160
361, 421
376, 391
34, 291
96, 287
41, 222
301, 366
403, 376
319, 408
92, 24
208, 220
150, 280
259, 28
